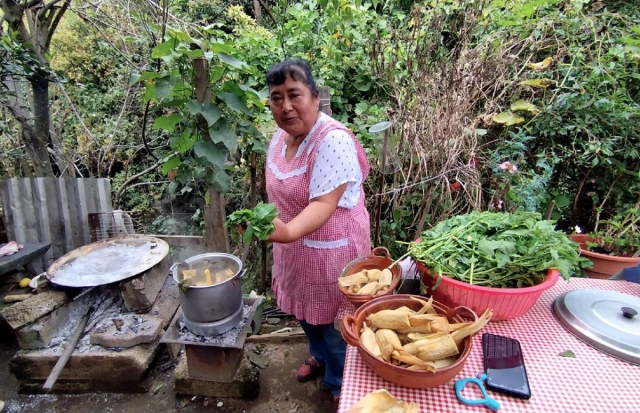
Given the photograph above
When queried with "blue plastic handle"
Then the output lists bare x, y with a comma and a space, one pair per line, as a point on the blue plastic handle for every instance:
486, 401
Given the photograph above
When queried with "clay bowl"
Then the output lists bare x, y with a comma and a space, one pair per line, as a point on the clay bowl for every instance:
379, 259
351, 326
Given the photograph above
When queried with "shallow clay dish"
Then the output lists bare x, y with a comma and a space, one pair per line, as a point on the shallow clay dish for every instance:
379, 259
416, 379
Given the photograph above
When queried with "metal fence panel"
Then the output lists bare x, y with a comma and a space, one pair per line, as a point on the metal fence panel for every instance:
53, 210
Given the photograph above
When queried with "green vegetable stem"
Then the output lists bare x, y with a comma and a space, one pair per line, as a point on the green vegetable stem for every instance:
259, 221
496, 249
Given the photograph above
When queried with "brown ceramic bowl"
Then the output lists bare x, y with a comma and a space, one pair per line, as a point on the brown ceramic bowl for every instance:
379, 259
351, 326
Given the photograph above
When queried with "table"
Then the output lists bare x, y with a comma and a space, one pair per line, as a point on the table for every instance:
24, 257
591, 382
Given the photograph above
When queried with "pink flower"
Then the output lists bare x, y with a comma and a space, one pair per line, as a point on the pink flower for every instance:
508, 166
497, 205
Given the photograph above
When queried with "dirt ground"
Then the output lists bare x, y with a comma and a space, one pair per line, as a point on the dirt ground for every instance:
279, 390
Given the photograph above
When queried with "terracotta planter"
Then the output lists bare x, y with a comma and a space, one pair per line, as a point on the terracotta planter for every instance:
379, 259
604, 266
351, 326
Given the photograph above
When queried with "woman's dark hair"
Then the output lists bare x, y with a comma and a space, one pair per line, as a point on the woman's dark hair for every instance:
297, 69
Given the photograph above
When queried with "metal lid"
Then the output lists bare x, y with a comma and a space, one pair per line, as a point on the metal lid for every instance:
606, 320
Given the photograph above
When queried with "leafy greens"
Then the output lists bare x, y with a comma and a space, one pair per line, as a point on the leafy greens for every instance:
495, 249
259, 221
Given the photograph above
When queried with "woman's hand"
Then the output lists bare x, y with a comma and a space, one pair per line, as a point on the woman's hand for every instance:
282, 234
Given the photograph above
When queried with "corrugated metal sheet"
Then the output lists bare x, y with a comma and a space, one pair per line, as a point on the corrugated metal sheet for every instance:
53, 210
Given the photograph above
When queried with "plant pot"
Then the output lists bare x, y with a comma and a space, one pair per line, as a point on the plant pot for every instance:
604, 266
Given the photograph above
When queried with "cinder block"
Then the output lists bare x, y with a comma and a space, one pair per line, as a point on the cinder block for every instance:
245, 386
140, 293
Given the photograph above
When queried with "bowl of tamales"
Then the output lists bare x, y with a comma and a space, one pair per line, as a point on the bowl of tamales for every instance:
413, 341
368, 277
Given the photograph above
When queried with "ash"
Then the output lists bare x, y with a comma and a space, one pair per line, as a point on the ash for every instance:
226, 338
107, 303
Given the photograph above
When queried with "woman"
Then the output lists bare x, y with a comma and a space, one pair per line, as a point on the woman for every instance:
314, 174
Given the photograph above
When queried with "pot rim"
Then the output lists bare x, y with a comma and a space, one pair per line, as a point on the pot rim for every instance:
174, 268
582, 238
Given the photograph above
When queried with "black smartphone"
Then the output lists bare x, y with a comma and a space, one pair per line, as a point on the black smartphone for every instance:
504, 366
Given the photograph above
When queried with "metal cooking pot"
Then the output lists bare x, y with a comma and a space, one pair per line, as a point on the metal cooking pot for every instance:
206, 304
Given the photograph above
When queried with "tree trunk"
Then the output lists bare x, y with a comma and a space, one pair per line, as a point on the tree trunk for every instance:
216, 234
257, 11
40, 138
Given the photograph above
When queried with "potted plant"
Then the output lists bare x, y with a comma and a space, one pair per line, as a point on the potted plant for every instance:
613, 245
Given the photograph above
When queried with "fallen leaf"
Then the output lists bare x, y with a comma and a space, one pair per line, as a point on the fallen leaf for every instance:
568, 353
507, 118
541, 65
541, 83
157, 388
524, 105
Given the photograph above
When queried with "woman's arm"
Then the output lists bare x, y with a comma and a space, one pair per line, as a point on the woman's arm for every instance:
314, 216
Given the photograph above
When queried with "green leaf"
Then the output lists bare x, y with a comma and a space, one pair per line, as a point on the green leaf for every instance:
183, 142
170, 164
221, 133
568, 353
167, 122
164, 49
218, 47
507, 23
540, 83
220, 180
235, 103
524, 105
190, 53
164, 86
216, 73
149, 92
233, 62
211, 113
635, 29
507, 118
210, 153
562, 201
137, 77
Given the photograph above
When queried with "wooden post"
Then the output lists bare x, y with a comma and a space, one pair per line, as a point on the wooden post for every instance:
257, 11
214, 211
325, 100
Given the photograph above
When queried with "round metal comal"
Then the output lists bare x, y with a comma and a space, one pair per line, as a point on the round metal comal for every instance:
606, 320
106, 262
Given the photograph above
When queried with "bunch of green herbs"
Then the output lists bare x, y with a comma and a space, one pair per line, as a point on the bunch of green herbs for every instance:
496, 249
258, 221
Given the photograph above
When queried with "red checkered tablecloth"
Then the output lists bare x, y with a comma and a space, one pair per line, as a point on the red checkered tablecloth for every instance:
591, 382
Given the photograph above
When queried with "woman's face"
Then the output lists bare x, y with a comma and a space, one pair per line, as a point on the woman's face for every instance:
294, 107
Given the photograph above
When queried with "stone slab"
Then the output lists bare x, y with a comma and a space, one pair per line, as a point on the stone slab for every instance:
40, 333
34, 308
245, 386
126, 331
141, 292
99, 369
23, 257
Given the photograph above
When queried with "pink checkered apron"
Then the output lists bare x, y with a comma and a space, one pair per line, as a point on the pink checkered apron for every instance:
305, 272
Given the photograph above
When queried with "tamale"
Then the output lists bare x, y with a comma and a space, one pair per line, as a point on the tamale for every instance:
388, 341
436, 349
368, 340
392, 319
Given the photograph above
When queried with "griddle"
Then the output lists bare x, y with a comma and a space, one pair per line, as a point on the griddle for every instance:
108, 261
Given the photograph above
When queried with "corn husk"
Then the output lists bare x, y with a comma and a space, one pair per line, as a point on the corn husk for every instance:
388, 341
442, 363
186, 274
458, 326
370, 288
381, 401
420, 336
426, 305
476, 326
392, 319
374, 275
386, 277
424, 328
354, 279
437, 348
411, 360
412, 347
440, 323
368, 340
